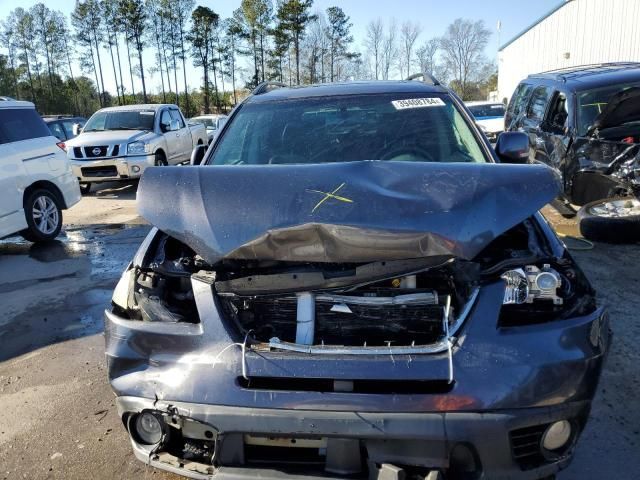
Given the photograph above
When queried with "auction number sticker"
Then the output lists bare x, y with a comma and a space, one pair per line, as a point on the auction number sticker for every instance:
417, 103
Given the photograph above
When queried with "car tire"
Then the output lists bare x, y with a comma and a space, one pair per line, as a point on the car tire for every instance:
44, 216
85, 188
161, 160
613, 220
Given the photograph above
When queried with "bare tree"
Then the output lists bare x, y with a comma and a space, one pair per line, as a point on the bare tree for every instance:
409, 33
374, 41
462, 46
389, 49
427, 55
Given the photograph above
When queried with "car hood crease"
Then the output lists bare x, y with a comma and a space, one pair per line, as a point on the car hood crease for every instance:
342, 212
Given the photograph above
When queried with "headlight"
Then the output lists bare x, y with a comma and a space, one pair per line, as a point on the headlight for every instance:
516, 288
138, 148
531, 283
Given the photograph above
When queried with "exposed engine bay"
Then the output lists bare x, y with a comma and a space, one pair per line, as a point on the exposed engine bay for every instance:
379, 307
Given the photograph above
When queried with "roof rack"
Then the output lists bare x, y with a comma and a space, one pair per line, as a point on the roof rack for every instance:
264, 87
426, 78
562, 73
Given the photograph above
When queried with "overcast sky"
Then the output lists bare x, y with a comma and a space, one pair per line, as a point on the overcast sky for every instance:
433, 15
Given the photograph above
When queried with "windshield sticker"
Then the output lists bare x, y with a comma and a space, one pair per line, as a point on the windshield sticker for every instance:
417, 103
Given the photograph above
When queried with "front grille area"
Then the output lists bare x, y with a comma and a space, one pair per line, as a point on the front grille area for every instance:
106, 171
339, 322
526, 446
96, 151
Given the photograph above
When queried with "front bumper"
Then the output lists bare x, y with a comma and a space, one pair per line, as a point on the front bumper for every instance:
111, 169
504, 379
423, 440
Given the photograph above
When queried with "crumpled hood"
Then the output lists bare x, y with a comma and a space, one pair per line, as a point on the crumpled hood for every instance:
623, 107
109, 137
342, 212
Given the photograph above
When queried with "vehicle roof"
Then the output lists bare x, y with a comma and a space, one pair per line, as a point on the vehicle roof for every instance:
586, 77
16, 104
56, 118
139, 107
209, 115
347, 88
482, 102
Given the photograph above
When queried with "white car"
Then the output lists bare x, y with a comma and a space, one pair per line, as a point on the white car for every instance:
489, 116
36, 181
213, 123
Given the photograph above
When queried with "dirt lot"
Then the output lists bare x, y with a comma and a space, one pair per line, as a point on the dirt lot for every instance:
60, 420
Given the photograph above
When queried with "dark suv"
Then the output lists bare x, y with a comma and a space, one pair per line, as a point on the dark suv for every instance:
61, 126
352, 286
585, 123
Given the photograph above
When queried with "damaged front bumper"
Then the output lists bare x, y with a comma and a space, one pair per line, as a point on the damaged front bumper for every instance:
507, 386
395, 443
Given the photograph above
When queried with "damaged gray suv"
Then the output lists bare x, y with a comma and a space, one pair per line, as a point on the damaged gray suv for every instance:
352, 285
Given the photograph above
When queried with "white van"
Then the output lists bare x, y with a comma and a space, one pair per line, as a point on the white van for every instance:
36, 182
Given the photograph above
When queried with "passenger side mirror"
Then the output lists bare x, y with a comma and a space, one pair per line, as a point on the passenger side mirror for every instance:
175, 125
513, 147
197, 155
76, 129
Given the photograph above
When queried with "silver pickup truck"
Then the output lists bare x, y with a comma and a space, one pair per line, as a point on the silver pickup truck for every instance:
119, 143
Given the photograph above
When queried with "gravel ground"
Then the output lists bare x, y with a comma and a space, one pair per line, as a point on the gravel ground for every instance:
61, 421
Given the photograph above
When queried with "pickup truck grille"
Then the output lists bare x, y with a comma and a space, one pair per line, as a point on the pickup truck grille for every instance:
98, 151
95, 152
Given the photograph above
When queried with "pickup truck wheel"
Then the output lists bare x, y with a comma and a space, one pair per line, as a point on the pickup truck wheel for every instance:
614, 220
161, 160
85, 188
43, 216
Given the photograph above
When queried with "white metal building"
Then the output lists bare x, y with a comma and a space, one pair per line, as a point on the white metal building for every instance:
576, 32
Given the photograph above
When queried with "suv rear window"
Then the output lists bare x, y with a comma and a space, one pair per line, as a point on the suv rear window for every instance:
348, 128
17, 124
519, 99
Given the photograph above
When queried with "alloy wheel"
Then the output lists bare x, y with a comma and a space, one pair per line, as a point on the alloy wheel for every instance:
45, 214
616, 208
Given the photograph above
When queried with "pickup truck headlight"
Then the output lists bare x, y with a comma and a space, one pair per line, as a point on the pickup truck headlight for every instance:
138, 148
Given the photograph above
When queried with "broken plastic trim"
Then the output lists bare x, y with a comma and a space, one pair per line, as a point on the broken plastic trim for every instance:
441, 346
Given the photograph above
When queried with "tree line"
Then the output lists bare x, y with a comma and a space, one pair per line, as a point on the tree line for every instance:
61, 63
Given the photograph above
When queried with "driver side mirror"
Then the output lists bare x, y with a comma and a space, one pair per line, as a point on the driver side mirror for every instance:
513, 147
165, 127
76, 129
197, 155
175, 125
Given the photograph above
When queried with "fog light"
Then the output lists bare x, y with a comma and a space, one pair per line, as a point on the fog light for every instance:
557, 435
148, 428
135, 169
